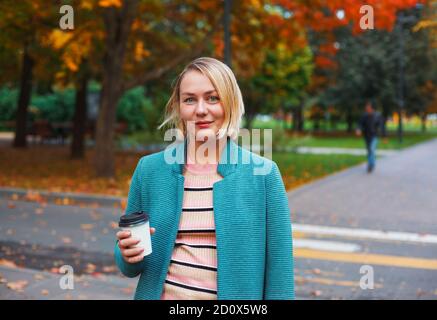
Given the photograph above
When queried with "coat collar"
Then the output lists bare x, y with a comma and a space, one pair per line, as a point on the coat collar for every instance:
226, 165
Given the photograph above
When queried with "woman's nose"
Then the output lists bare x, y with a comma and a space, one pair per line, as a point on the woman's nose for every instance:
201, 108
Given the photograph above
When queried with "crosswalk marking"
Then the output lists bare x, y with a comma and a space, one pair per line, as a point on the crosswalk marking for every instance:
366, 258
326, 245
365, 233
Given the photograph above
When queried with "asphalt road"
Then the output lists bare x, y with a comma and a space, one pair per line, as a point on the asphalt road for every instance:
386, 220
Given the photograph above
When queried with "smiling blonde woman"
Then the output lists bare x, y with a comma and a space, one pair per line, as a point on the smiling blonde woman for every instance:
220, 230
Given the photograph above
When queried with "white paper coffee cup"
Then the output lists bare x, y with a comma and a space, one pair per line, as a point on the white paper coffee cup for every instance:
138, 225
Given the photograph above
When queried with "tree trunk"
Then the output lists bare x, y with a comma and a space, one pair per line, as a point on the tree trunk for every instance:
118, 24
23, 100
350, 122
249, 120
384, 124
316, 125
80, 116
423, 119
300, 120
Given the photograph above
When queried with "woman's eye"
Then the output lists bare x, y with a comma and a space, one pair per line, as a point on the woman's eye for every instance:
188, 100
214, 98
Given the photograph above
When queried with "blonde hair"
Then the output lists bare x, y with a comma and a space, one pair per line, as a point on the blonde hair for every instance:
224, 81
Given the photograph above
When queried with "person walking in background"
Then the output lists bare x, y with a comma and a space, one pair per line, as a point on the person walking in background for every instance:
369, 126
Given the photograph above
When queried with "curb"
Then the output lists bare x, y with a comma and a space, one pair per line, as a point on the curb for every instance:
64, 198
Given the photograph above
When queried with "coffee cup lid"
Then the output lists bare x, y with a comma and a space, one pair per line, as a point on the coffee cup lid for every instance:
133, 218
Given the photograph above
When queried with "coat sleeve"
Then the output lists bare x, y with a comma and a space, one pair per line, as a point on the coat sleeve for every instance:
279, 272
131, 270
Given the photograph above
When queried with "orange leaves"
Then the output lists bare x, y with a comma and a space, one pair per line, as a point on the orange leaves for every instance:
66, 240
87, 226
33, 196
87, 4
45, 168
58, 38
123, 204
17, 285
110, 3
7, 263
140, 52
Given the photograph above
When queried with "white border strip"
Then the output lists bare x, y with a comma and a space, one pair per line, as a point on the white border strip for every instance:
365, 233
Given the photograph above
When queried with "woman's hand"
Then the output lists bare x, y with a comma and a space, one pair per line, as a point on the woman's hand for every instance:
126, 243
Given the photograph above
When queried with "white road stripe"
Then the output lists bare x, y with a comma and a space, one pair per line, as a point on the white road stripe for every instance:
365, 233
326, 245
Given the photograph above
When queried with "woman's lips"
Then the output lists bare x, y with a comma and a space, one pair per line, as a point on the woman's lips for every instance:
203, 124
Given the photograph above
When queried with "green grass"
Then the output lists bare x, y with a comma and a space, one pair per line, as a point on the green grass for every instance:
297, 169
410, 126
390, 142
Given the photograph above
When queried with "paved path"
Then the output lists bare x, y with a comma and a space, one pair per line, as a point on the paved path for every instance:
37, 239
387, 219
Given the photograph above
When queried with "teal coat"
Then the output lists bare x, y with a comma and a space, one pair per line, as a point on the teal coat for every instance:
252, 220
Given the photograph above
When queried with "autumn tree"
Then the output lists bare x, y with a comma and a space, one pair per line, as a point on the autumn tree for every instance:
24, 24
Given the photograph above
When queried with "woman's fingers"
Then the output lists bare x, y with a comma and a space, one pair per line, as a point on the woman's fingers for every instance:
122, 235
131, 255
132, 252
128, 242
134, 259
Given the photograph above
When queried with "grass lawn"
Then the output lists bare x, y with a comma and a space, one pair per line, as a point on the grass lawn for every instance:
390, 142
297, 169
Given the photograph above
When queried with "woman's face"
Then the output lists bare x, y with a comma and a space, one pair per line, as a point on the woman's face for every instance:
200, 105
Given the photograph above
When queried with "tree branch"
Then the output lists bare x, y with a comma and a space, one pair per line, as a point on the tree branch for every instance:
158, 72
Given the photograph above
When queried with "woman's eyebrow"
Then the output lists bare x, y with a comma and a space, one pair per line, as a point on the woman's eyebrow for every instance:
193, 94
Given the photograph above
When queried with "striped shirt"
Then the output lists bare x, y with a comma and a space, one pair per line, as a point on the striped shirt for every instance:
192, 273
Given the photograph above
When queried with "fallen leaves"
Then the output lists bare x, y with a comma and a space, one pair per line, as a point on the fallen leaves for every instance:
127, 290
316, 271
38, 277
123, 203
7, 263
33, 196
316, 293
63, 201
87, 226
66, 240
110, 269
90, 268
42, 167
17, 285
